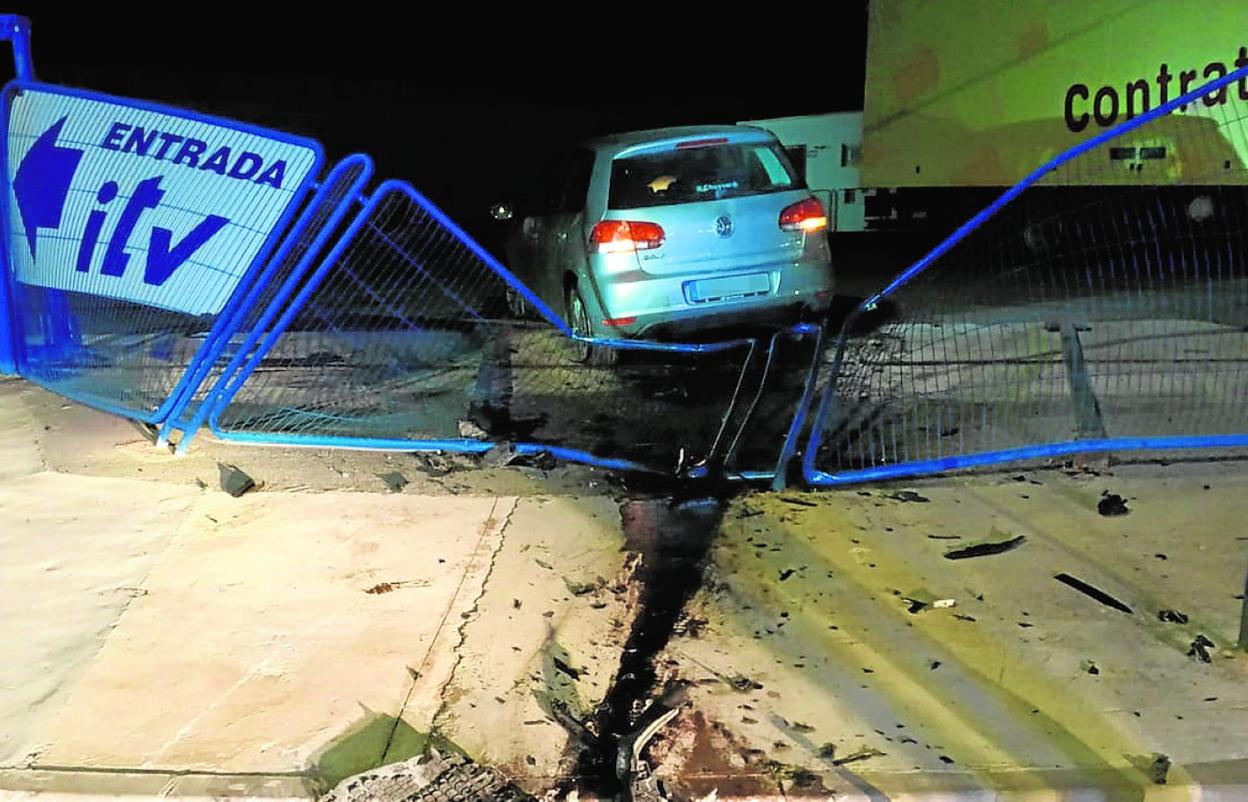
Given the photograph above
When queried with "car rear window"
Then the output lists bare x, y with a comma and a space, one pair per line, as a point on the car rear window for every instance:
710, 172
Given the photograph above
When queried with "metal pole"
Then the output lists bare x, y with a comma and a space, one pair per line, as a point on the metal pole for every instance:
15, 29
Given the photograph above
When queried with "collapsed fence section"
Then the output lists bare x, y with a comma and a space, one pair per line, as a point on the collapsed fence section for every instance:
311, 234
1100, 305
403, 338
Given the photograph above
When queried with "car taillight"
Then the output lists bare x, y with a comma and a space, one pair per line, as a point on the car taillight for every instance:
622, 236
807, 215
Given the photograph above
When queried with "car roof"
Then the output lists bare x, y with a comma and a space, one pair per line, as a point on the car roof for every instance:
615, 144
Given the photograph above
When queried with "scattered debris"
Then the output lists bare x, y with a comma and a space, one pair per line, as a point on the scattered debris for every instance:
633, 772
828, 751
574, 673
471, 430
944, 537
908, 495
798, 502
690, 625
235, 480
1172, 616
440, 463
1090, 667
1200, 649
394, 480
1093, 592
506, 455
499, 456
1112, 504
583, 588
427, 778
920, 600
390, 587
862, 754
786, 573
744, 684
1158, 769
986, 549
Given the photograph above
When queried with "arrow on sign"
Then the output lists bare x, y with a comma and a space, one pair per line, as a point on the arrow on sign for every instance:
42, 182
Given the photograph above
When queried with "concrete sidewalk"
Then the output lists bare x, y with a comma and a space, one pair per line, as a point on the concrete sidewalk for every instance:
822, 665
172, 640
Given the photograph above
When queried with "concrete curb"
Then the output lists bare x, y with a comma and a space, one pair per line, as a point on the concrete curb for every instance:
76, 784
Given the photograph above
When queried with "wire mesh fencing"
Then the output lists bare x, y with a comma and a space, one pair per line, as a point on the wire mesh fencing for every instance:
406, 336
311, 234
1100, 305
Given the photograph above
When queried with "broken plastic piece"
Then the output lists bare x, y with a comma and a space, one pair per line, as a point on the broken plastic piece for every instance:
234, 480
1093, 591
1112, 504
986, 549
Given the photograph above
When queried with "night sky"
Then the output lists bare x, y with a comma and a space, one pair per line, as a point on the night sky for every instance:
458, 105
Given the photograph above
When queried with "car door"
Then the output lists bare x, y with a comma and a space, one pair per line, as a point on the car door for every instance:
567, 221
533, 207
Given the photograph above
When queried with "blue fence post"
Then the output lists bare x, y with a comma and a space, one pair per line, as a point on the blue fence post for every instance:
16, 30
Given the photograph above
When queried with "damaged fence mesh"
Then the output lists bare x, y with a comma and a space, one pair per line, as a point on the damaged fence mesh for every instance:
1107, 302
309, 237
404, 338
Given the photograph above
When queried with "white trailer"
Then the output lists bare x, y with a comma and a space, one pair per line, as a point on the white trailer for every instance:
826, 149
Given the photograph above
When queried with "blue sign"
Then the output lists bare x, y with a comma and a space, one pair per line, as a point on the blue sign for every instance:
140, 203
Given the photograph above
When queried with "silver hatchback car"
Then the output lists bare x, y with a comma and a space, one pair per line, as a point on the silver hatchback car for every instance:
657, 234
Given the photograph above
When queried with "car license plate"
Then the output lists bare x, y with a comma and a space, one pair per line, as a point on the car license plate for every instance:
722, 289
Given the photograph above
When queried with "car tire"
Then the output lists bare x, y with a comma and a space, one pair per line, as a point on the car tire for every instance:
578, 320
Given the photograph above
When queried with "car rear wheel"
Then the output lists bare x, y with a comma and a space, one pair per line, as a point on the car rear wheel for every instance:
578, 319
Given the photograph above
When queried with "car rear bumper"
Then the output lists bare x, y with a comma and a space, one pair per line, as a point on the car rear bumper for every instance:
659, 307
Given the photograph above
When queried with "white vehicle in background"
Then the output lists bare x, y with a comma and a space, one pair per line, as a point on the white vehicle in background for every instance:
825, 149
656, 234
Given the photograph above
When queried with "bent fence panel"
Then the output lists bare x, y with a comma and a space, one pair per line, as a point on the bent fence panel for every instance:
132, 232
1099, 305
403, 338
312, 233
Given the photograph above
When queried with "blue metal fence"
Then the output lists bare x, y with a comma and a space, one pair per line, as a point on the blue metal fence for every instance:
1097, 306
402, 338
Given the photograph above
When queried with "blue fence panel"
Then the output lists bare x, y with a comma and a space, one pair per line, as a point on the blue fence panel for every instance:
1100, 305
322, 217
132, 231
404, 338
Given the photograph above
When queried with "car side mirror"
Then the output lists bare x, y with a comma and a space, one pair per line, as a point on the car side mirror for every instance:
502, 211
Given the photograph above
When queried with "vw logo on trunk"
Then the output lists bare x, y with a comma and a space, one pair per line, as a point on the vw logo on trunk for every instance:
723, 226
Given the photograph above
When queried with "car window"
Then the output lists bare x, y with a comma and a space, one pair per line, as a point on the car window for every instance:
576, 173
713, 172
